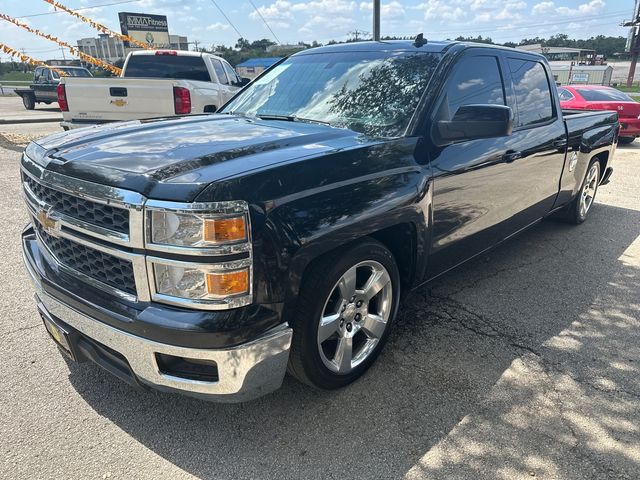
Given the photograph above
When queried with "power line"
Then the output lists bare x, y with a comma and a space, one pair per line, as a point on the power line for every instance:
265, 21
227, 18
81, 8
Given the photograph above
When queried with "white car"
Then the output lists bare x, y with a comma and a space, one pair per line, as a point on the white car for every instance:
154, 83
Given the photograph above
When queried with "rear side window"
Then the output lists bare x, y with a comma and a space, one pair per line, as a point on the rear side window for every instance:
533, 95
564, 94
476, 81
167, 66
603, 95
219, 69
231, 73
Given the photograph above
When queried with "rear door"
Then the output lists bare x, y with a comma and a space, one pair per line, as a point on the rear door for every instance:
227, 90
538, 142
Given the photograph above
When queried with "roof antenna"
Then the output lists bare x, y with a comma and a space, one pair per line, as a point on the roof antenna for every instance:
420, 40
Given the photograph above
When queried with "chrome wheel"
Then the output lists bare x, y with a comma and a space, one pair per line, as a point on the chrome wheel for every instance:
355, 316
589, 190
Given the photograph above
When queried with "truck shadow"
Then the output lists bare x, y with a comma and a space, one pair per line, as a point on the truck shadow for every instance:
451, 345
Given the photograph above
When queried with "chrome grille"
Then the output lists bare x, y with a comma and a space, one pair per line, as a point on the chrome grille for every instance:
104, 216
101, 266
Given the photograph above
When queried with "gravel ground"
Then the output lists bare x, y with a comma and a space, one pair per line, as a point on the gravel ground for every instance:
523, 363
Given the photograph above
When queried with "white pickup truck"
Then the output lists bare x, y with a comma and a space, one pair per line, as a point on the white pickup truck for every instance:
154, 83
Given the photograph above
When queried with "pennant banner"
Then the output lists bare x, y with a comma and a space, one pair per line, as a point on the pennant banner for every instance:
27, 59
99, 26
72, 50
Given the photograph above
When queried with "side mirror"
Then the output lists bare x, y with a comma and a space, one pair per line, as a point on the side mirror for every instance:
243, 81
472, 122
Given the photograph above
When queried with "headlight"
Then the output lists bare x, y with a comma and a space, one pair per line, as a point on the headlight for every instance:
227, 284
196, 230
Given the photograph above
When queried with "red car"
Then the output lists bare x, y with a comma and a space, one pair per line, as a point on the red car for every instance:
597, 97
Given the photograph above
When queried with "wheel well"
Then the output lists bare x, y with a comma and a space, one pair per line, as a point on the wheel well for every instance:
603, 159
401, 241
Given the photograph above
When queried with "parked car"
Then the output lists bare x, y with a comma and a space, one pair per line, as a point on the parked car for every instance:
45, 82
597, 97
154, 83
209, 254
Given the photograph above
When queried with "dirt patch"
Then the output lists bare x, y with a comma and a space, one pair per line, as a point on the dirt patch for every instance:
15, 141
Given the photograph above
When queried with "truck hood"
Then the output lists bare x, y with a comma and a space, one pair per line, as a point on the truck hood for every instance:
174, 159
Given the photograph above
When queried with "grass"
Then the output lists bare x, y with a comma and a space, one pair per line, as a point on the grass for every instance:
632, 89
16, 76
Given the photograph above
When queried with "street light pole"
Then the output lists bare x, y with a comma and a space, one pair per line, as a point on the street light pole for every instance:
376, 20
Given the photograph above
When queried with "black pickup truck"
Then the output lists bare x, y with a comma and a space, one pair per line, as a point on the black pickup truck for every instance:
45, 83
211, 254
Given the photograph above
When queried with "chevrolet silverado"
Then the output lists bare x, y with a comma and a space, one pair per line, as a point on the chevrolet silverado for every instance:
211, 254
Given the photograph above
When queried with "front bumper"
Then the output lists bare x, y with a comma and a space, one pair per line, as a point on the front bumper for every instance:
245, 372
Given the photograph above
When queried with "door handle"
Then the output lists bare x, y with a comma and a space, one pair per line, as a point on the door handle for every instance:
559, 143
511, 156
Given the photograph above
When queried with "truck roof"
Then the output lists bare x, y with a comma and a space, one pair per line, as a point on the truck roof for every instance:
431, 46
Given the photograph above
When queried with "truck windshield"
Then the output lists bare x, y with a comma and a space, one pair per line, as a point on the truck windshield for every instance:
374, 93
181, 67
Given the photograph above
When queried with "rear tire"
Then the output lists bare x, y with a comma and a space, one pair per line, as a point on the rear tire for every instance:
626, 140
580, 207
29, 101
346, 307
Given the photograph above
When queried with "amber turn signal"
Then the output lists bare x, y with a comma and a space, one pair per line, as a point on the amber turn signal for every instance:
231, 283
221, 230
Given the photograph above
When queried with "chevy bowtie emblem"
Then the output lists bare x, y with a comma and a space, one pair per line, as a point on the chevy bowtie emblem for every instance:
119, 102
48, 223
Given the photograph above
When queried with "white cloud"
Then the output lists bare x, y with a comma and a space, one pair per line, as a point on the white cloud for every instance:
217, 26
594, 7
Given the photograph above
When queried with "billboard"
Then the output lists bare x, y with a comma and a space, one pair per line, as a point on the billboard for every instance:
150, 29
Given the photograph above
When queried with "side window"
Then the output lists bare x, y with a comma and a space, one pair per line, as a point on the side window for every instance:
47, 75
219, 69
475, 81
533, 95
37, 74
231, 73
564, 94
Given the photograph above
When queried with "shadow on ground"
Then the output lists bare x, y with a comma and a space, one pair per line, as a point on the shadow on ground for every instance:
452, 344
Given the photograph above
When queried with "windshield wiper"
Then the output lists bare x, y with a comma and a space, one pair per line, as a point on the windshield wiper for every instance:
290, 118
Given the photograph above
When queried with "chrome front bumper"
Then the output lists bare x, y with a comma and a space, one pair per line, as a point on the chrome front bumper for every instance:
245, 372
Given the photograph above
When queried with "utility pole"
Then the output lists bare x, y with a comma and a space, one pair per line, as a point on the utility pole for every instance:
376, 20
357, 34
634, 44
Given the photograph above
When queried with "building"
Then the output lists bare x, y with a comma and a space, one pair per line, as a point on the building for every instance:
582, 74
111, 49
178, 42
104, 48
255, 66
578, 55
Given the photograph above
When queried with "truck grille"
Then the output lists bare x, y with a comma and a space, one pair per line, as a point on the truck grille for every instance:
105, 216
98, 265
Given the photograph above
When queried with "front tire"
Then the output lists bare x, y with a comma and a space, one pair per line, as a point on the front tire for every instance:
346, 307
626, 140
581, 205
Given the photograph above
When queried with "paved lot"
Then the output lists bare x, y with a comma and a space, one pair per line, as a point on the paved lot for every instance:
12, 110
524, 363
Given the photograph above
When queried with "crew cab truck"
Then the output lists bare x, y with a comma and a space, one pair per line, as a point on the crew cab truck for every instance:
154, 83
45, 83
210, 254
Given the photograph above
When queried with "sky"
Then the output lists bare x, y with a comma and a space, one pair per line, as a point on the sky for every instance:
322, 20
